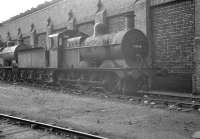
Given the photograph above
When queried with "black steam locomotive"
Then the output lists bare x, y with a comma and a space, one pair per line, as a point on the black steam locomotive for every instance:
116, 62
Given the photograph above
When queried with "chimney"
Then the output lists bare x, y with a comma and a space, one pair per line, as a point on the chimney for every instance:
100, 26
129, 20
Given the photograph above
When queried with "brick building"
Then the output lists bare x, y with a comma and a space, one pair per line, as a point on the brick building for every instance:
172, 27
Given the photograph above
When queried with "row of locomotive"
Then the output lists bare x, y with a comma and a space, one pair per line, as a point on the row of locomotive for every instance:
116, 61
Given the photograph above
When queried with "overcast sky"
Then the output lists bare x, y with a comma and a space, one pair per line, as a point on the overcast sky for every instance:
10, 8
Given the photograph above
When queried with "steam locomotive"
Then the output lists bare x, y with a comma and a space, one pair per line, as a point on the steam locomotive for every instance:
117, 62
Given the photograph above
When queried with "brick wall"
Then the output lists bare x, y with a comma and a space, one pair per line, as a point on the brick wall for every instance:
116, 24
26, 41
173, 36
197, 18
196, 75
86, 28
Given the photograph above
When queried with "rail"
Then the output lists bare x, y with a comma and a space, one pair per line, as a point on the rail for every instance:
52, 128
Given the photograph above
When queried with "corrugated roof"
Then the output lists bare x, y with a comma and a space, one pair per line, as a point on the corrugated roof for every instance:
32, 10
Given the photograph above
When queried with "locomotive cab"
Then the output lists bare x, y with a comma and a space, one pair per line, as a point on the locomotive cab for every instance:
56, 41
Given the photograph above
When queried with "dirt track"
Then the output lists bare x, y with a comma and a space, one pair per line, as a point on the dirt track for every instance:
100, 116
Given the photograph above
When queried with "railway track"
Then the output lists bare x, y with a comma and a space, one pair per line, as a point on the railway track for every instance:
26, 125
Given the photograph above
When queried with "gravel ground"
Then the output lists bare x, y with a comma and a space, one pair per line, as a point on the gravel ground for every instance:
110, 118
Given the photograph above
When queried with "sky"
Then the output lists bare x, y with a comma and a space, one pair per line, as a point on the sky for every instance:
10, 8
